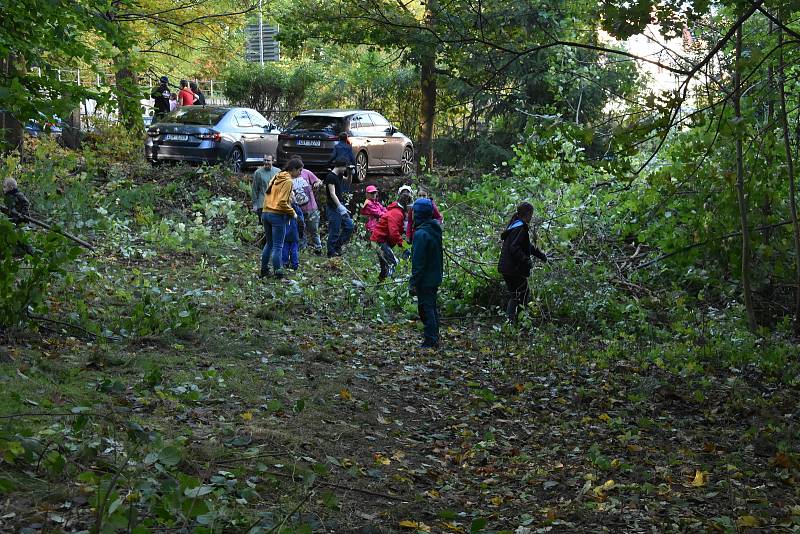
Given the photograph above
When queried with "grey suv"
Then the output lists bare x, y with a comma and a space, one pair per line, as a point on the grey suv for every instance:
377, 145
212, 134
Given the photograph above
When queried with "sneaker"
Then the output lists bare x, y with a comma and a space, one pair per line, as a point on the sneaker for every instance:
390, 271
264, 273
335, 254
279, 274
429, 345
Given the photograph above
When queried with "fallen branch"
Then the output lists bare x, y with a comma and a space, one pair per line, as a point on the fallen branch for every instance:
46, 226
62, 323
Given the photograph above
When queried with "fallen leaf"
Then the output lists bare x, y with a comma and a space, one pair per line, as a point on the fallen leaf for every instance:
604, 417
496, 500
747, 521
247, 416
345, 394
419, 525
381, 459
700, 479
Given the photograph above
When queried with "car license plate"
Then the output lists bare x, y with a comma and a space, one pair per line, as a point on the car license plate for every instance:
176, 137
309, 142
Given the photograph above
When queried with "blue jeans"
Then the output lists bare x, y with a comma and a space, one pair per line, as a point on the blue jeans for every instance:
426, 306
275, 225
290, 256
340, 228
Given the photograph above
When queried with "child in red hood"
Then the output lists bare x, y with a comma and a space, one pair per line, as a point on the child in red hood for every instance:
388, 233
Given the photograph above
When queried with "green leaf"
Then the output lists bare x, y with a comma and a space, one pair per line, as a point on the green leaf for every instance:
478, 524
169, 456
199, 491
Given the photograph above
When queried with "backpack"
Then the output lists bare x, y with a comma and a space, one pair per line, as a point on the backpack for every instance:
300, 195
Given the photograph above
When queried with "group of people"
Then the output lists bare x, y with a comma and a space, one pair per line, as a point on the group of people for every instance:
165, 101
285, 202
287, 209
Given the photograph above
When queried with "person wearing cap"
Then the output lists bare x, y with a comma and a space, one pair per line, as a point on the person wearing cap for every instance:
388, 233
372, 209
340, 225
421, 193
185, 95
160, 96
426, 269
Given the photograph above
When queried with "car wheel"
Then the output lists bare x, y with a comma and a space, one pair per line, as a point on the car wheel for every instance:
236, 160
361, 167
406, 162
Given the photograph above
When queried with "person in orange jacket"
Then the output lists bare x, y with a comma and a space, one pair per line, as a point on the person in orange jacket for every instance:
275, 215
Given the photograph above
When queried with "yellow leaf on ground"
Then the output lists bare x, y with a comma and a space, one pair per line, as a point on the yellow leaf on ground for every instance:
418, 525
700, 479
496, 500
604, 417
381, 459
433, 494
345, 394
747, 521
607, 485
632, 447
247, 416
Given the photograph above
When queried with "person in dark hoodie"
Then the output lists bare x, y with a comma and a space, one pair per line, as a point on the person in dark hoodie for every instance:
426, 269
343, 151
515, 258
160, 96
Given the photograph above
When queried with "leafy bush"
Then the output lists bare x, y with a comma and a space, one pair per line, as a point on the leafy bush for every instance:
24, 281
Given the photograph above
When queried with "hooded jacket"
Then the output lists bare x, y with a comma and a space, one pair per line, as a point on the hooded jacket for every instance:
372, 210
276, 199
515, 256
389, 228
426, 252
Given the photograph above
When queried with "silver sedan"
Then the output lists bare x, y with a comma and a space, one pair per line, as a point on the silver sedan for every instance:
212, 134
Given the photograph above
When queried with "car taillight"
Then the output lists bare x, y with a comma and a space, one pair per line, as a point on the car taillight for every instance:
209, 136
285, 136
153, 132
333, 137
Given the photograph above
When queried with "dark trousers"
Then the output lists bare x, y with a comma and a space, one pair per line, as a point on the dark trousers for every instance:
518, 294
429, 314
387, 260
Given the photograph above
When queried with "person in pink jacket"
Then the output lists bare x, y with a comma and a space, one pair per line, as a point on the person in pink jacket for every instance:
372, 209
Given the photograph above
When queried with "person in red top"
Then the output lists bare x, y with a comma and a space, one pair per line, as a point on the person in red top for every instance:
388, 233
372, 209
423, 193
185, 95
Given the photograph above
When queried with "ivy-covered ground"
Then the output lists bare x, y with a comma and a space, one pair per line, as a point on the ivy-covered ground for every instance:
179, 392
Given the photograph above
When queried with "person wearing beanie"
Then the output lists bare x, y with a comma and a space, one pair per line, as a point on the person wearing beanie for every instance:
388, 233
160, 96
515, 258
426, 269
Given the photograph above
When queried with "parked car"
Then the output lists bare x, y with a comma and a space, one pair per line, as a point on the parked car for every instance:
44, 125
212, 134
377, 145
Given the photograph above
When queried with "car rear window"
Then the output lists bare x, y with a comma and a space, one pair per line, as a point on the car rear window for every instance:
315, 123
201, 116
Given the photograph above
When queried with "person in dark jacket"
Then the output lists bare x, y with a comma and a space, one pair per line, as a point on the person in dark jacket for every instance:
199, 97
343, 150
160, 97
515, 258
17, 203
426, 269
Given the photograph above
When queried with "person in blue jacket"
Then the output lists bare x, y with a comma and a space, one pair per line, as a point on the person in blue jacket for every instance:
294, 233
343, 151
426, 269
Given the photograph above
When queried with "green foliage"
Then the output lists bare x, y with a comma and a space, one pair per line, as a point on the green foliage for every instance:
25, 277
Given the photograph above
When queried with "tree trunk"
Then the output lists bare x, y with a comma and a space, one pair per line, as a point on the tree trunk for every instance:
127, 92
11, 131
427, 82
792, 188
740, 187
71, 133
